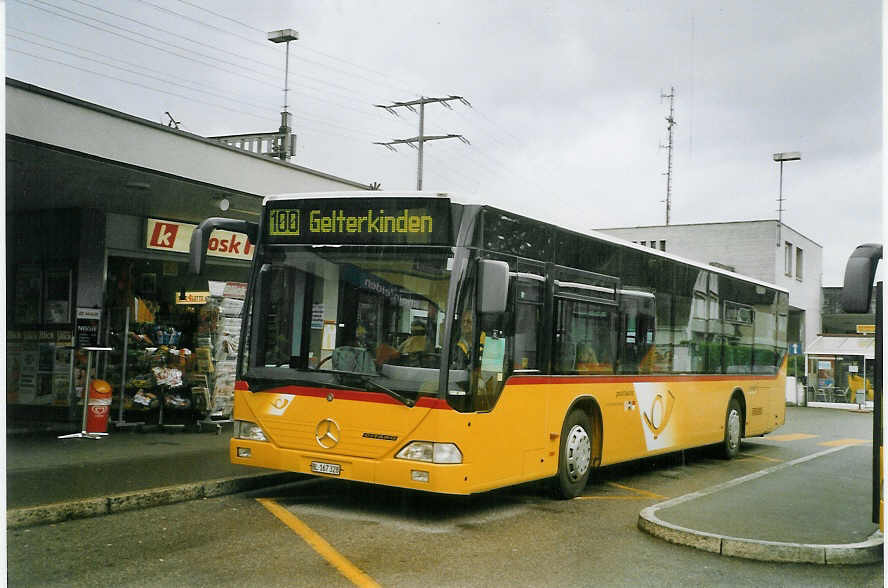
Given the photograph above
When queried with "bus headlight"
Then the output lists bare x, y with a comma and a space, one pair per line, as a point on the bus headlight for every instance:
431, 452
248, 430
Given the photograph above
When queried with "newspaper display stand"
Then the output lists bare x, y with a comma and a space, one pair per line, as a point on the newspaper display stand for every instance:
217, 353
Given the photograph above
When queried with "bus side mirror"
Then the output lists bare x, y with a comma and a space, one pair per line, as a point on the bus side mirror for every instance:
494, 286
859, 275
200, 238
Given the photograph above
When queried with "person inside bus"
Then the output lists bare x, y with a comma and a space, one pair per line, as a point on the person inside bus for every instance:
463, 351
417, 342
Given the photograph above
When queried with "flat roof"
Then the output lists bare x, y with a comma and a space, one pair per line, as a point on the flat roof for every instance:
739, 222
163, 128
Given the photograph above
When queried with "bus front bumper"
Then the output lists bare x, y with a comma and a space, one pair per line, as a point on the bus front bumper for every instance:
401, 473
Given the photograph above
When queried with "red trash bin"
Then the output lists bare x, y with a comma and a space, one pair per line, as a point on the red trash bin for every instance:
98, 407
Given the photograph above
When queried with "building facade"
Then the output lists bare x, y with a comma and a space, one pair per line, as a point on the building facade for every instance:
764, 249
99, 209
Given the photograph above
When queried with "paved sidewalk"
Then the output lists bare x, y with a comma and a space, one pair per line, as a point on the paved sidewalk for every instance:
50, 479
814, 509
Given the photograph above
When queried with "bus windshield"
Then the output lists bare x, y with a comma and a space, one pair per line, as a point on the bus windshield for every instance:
355, 317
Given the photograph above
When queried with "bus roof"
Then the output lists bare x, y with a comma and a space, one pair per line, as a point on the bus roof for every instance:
582, 231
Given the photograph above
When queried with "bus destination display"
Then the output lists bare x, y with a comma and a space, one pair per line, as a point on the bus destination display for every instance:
378, 221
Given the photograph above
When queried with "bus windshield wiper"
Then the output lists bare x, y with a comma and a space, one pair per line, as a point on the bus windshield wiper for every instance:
369, 379
409, 402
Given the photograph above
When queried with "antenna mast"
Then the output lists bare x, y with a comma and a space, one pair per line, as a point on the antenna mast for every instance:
670, 122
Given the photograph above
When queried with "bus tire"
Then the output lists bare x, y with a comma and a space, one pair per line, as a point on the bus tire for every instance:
733, 430
574, 456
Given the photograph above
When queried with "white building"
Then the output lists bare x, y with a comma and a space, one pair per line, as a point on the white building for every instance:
763, 249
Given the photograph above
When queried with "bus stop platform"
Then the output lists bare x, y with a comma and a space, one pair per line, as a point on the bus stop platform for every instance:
815, 509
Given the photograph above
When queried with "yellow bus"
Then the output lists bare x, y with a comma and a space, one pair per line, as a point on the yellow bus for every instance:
415, 341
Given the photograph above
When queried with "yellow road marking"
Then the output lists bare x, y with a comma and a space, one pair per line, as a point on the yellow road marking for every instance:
345, 567
841, 442
640, 494
790, 437
761, 457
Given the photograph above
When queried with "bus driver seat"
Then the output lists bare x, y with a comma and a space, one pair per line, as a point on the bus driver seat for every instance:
353, 359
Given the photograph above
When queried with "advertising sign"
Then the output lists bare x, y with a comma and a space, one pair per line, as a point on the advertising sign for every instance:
174, 236
86, 330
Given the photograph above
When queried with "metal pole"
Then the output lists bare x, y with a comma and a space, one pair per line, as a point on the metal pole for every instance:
877, 412
286, 74
780, 206
420, 142
86, 383
123, 365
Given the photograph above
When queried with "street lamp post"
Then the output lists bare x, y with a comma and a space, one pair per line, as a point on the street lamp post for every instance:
781, 157
284, 36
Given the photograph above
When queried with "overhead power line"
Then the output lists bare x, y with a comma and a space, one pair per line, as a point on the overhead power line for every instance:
418, 141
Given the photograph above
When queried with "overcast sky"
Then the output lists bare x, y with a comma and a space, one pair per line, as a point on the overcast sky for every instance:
566, 116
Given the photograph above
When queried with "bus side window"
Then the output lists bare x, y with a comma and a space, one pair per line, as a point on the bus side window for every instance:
528, 302
584, 336
637, 315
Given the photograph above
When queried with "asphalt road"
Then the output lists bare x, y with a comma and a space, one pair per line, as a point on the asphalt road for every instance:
332, 533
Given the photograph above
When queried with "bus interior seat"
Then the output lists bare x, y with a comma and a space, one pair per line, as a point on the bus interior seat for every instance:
354, 359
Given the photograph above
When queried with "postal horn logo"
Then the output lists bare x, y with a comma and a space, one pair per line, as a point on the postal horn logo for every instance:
657, 417
327, 433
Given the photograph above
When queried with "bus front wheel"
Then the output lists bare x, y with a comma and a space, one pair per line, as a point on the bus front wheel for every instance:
574, 456
733, 430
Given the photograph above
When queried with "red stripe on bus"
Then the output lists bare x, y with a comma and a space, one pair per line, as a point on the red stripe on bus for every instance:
356, 395
630, 378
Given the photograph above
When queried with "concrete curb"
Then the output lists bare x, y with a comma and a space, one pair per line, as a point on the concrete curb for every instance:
864, 552
94, 507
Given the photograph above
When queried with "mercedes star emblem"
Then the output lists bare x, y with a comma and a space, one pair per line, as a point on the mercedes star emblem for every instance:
327, 433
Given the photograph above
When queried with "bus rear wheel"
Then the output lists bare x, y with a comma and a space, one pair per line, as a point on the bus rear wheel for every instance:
574, 456
733, 430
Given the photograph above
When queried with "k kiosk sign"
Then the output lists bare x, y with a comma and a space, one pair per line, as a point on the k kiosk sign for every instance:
174, 236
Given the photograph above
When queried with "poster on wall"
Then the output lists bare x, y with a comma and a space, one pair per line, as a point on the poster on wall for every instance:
46, 356
60, 386
57, 308
27, 387
13, 370
28, 294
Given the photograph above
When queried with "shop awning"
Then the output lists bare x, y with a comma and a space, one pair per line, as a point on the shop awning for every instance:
847, 346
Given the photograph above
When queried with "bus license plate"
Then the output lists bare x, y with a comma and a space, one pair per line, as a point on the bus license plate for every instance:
320, 467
